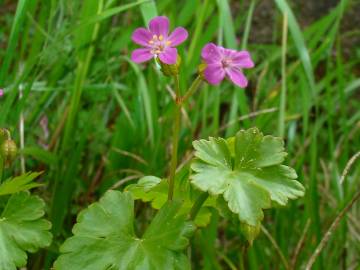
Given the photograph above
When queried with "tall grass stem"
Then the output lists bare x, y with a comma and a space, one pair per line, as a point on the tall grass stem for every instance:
281, 124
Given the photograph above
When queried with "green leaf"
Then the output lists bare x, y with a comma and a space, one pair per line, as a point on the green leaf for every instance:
150, 189
247, 171
248, 231
148, 11
155, 190
22, 229
89, 20
19, 183
40, 154
104, 238
299, 42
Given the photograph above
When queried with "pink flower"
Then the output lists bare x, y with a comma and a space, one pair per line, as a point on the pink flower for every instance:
221, 62
157, 42
1, 92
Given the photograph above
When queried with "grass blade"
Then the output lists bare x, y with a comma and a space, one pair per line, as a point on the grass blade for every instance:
299, 43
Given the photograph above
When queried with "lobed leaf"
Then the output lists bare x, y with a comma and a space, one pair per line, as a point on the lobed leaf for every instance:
155, 190
22, 229
19, 183
104, 238
247, 171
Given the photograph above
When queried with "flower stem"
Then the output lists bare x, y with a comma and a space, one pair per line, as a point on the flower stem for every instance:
197, 205
175, 142
179, 101
1, 168
195, 85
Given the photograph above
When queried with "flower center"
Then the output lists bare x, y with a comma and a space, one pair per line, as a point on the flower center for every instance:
158, 44
226, 62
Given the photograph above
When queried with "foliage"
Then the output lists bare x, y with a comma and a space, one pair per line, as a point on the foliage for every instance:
247, 171
22, 228
155, 190
19, 183
104, 238
92, 119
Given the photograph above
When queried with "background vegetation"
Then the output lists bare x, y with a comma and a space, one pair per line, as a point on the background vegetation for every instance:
93, 120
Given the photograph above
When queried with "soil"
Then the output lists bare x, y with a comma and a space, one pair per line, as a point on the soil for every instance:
307, 12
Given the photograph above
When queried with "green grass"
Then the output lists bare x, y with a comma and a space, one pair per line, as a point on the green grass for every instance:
109, 120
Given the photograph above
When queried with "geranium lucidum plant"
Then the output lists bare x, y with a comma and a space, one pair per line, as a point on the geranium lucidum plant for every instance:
244, 173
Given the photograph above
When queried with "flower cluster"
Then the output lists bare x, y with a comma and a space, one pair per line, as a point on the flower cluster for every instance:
219, 62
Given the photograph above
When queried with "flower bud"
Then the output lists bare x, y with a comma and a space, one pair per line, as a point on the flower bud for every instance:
170, 70
201, 69
8, 151
3, 135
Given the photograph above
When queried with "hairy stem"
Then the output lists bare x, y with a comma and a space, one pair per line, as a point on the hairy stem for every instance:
179, 101
175, 142
197, 205
195, 85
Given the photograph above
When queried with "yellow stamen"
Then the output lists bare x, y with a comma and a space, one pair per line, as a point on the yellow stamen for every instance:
155, 37
161, 37
151, 42
168, 42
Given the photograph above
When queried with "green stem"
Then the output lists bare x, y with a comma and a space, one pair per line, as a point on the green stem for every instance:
179, 101
195, 85
197, 205
175, 142
282, 107
1, 168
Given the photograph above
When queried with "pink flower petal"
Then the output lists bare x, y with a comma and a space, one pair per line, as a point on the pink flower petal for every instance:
141, 55
237, 77
214, 73
211, 53
142, 36
1, 92
178, 36
243, 59
159, 26
168, 56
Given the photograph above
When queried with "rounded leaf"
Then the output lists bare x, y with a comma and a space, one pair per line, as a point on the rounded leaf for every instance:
247, 171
